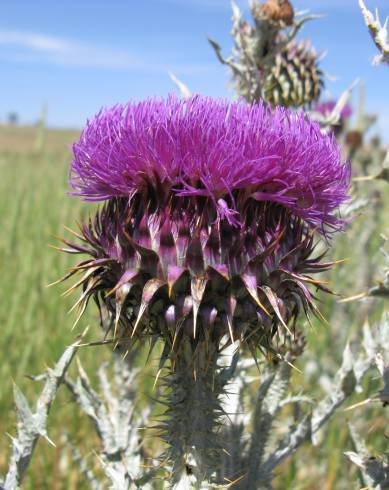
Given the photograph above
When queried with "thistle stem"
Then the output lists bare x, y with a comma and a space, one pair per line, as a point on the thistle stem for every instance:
194, 413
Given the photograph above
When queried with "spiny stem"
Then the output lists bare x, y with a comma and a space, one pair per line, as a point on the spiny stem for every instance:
194, 412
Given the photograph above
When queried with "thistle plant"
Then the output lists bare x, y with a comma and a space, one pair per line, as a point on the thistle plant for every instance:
32, 424
267, 62
378, 32
207, 236
325, 110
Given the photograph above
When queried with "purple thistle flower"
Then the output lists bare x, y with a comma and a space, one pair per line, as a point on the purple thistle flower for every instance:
325, 109
210, 217
227, 153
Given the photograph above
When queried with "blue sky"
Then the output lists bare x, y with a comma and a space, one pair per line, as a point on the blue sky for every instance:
79, 55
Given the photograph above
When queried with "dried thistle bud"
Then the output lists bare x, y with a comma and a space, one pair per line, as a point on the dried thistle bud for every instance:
210, 216
354, 139
275, 11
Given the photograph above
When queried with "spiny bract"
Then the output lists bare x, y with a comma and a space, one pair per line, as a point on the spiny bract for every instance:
295, 79
210, 217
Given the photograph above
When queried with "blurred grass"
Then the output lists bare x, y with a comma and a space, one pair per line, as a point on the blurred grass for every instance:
34, 207
35, 327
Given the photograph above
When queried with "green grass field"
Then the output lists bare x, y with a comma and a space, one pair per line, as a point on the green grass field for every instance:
35, 326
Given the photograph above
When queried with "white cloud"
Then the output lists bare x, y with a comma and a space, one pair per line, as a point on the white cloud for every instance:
27, 47
35, 41
41, 47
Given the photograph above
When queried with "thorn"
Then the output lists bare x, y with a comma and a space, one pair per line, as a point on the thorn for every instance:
289, 363
360, 404
178, 328
230, 315
272, 297
198, 286
120, 341
80, 281
82, 311
230, 329
66, 250
142, 309
319, 314
251, 285
80, 337
149, 291
58, 281
156, 378
354, 298
125, 355
365, 178
75, 233
45, 436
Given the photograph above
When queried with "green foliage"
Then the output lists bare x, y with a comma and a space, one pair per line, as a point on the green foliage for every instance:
35, 327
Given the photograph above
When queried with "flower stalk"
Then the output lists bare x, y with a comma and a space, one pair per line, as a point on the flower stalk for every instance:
193, 414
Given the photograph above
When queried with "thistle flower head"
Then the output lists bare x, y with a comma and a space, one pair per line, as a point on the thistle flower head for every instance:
210, 215
215, 152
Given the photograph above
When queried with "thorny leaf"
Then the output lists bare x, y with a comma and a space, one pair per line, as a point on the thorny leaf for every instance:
378, 32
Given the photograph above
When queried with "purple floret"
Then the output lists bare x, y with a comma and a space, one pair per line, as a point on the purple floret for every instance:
205, 148
325, 108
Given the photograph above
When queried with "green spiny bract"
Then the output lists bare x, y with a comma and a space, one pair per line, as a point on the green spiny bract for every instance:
295, 79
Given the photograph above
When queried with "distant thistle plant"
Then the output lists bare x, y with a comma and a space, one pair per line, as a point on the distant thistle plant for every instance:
207, 236
326, 108
267, 62
378, 32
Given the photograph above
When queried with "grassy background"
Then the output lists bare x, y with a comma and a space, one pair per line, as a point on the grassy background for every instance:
35, 327
34, 207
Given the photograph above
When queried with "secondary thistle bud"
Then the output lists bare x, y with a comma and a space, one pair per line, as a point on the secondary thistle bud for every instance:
295, 79
267, 63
